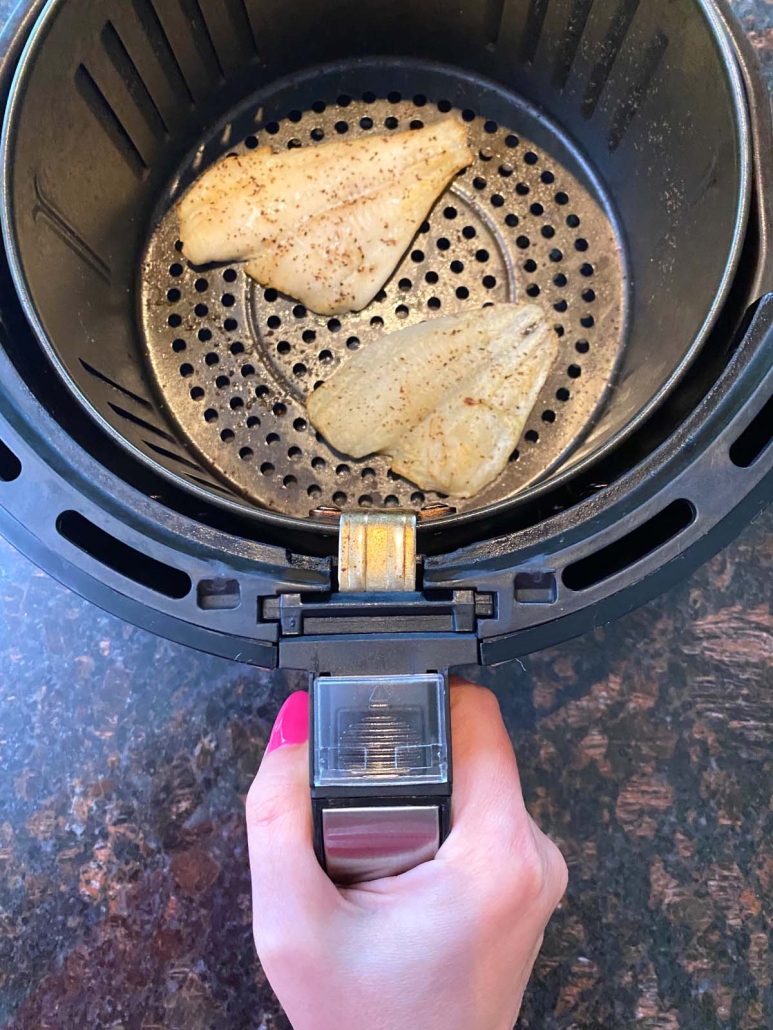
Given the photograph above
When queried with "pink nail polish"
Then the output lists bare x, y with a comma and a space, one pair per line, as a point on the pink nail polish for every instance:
292, 722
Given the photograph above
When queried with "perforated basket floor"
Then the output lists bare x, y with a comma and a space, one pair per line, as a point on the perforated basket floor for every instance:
234, 362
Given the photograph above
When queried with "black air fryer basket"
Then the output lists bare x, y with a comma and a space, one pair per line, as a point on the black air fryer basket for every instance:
154, 449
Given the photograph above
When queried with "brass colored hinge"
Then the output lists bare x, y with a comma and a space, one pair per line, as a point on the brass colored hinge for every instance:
376, 552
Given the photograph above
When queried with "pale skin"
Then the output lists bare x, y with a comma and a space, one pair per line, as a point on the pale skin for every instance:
449, 945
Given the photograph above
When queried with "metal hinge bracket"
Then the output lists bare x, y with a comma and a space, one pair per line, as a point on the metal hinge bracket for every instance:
376, 552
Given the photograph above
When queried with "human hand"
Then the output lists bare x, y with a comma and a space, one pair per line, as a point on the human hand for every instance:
449, 945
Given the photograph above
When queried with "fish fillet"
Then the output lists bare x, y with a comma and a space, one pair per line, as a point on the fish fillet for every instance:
326, 225
447, 399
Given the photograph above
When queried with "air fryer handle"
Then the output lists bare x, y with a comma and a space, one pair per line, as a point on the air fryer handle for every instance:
380, 772
380, 736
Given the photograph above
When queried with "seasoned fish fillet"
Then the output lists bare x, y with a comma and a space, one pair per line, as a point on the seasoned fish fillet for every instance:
326, 225
447, 399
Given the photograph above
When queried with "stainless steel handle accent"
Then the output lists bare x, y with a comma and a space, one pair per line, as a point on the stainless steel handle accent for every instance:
368, 843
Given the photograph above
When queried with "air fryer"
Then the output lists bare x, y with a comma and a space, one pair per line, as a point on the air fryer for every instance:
155, 452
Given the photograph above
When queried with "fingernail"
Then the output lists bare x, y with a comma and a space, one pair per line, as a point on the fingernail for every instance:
292, 722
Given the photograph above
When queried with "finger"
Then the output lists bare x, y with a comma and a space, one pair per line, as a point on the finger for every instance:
487, 800
290, 890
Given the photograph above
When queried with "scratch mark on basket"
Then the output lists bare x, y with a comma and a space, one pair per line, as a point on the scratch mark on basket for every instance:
610, 48
45, 207
706, 184
626, 112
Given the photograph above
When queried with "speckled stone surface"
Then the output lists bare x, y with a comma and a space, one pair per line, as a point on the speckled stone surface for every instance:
646, 750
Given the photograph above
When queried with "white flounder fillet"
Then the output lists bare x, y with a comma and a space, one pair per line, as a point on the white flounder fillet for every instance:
328, 224
447, 399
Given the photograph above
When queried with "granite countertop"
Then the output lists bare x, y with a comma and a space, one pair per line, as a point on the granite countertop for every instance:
646, 750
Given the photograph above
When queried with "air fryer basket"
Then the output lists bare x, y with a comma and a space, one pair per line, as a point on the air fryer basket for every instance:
612, 182
633, 117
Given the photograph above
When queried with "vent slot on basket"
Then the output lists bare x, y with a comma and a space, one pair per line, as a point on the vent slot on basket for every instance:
210, 484
137, 421
202, 40
172, 456
610, 49
242, 26
533, 29
654, 53
159, 41
494, 12
111, 124
116, 386
10, 466
637, 544
754, 439
105, 548
567, 51
136, 86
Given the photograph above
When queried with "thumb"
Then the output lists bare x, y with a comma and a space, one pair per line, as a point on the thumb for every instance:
290, 890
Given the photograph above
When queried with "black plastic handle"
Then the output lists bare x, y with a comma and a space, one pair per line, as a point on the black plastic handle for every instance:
380, 772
